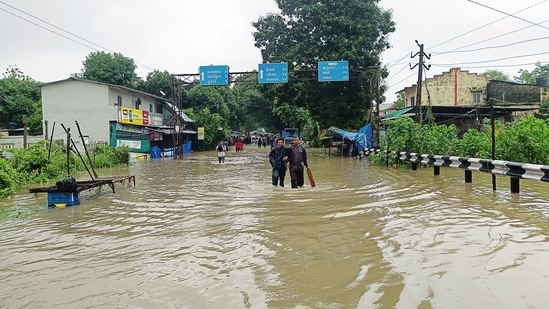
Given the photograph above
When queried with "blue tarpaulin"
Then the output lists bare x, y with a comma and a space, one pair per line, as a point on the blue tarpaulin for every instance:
156, 152
289, 133
186, 147
363, 137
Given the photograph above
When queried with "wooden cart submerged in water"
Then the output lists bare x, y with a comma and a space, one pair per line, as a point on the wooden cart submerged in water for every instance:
66, 192
63, 195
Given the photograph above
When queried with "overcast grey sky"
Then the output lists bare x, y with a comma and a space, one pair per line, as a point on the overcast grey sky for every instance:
49, 39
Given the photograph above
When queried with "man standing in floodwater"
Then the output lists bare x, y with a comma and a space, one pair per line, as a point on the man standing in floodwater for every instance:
278, 158
297, 156
221, 149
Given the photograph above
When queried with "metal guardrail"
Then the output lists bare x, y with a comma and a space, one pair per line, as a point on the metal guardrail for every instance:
515, 170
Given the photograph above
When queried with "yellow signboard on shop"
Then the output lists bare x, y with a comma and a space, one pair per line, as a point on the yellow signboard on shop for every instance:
200, 131
134, 116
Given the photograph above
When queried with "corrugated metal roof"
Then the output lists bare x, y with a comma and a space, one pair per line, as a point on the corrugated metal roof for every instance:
397, 113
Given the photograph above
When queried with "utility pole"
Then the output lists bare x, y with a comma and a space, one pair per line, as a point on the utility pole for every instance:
177, 124
421, 65
374, 110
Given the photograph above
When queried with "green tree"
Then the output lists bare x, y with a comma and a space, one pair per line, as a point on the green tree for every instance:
305, 32
208, 108
524, 141
15, 72
34, 121
497, 75
19, 96
400, 101
108, 68
475, 144
252, 108
527, 77
157, 83
544, 107
200, 97
8, 185
213, 126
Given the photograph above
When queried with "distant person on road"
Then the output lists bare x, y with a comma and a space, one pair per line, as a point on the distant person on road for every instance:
297, 157
278, 158
239, 146
275, 140
221, 149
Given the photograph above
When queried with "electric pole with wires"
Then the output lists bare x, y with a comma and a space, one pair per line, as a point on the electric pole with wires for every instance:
421, 65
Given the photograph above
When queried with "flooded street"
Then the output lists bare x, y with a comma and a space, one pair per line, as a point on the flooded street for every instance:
193, 233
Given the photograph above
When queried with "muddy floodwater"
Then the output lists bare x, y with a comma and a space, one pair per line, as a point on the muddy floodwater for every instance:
193, 233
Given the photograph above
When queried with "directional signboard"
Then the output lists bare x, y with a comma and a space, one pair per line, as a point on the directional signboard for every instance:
269, 73
214, 75
333, 71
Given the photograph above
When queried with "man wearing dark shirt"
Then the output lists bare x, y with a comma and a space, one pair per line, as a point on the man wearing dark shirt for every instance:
297, 156
278, 158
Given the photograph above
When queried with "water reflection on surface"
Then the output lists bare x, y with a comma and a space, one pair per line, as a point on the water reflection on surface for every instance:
197, 234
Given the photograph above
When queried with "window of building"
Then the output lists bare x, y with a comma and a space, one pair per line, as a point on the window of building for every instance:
476, 97
150, 108
412, 101
119, 100
159, 108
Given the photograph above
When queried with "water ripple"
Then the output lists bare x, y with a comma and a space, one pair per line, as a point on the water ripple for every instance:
193, 233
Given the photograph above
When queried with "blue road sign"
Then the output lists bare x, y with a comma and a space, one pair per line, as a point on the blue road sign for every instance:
214, 75
269, 73
333, 71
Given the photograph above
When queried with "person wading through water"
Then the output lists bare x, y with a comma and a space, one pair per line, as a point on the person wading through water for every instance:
278, 159
297, 156
221, 149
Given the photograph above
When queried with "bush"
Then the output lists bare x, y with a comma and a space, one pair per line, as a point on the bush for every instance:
520, 141
106, 156
8, 178
40, 163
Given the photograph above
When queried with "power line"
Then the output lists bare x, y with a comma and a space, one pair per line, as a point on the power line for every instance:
511, 15
59, 34
478, 28
486, 25
405, 78
393, 75
496, 37
483, 41
495, 60
397, 61
29, 21
52, 25
490, 47
491, 66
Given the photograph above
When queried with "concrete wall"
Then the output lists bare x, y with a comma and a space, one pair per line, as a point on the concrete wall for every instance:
512, 93
7, 142
452, 88
72, 100
94, 105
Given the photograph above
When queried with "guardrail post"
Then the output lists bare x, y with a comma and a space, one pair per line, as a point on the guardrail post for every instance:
468, 176
515, 185
515, 170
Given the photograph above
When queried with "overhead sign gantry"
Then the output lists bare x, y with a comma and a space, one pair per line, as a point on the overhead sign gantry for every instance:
333, 71
270, 73
214, 75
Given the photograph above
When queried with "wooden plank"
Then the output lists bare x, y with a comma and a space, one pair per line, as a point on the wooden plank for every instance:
311, 179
